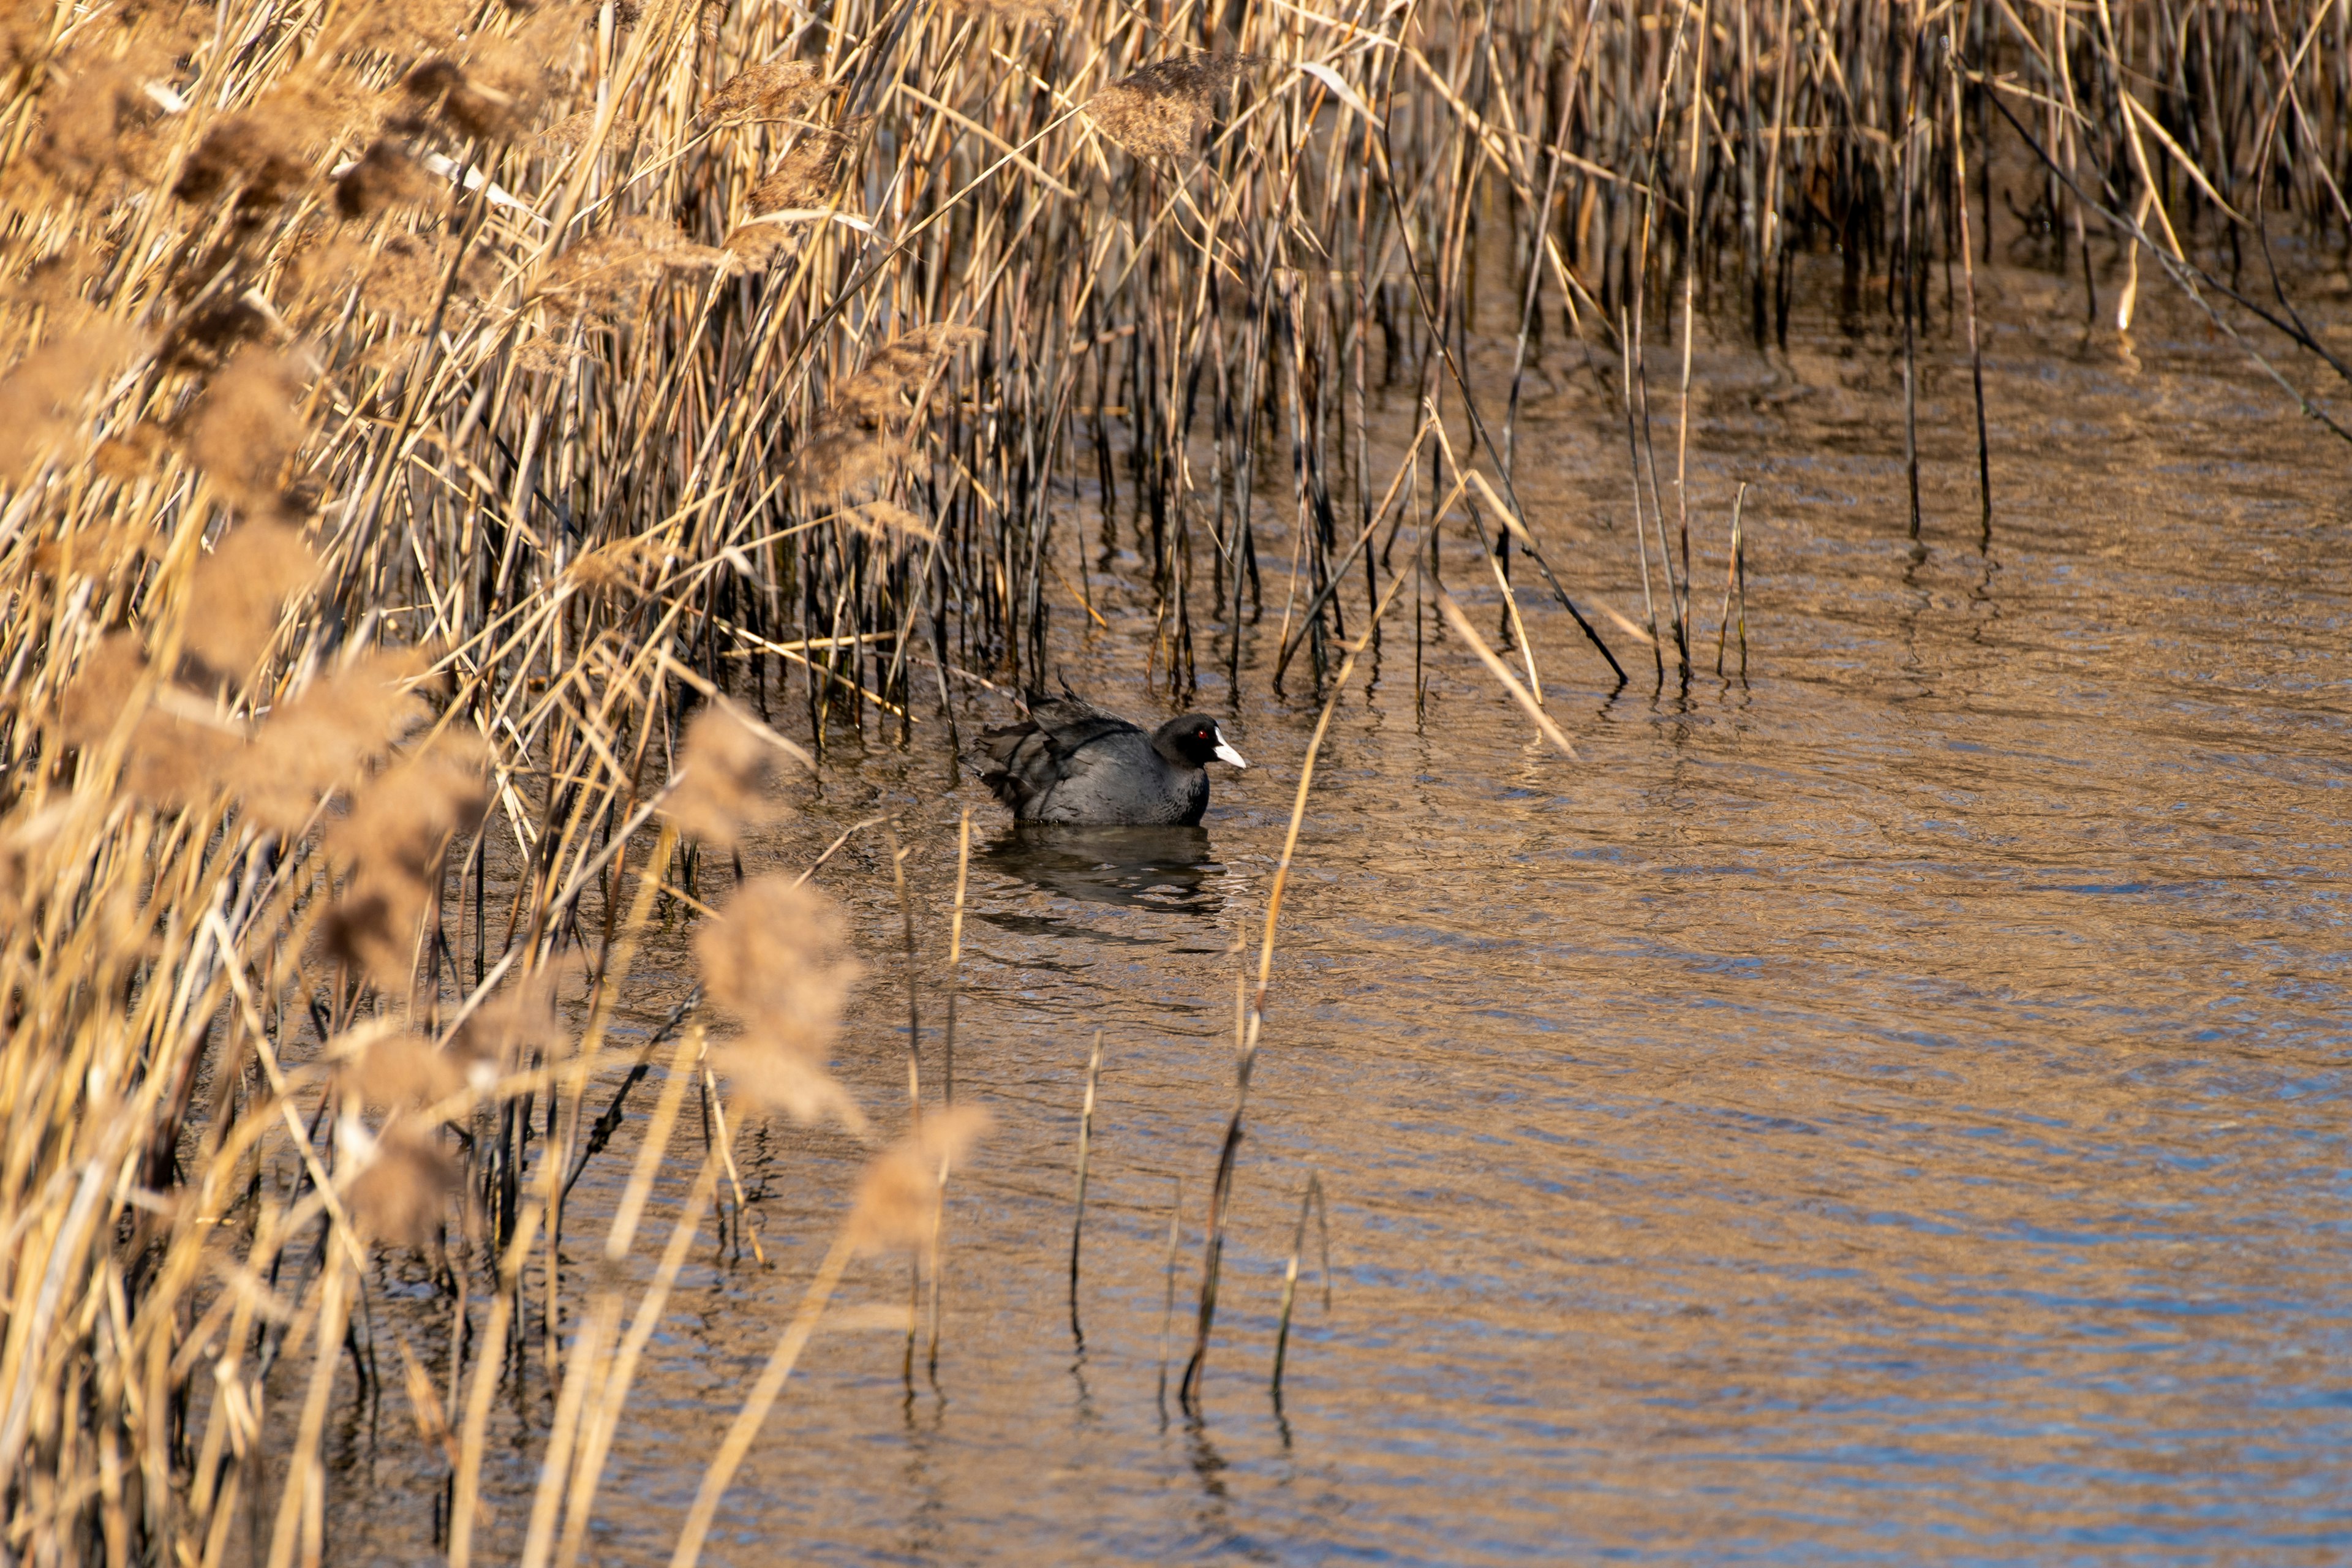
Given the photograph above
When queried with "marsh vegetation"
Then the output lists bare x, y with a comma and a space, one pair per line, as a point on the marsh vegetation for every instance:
467, 471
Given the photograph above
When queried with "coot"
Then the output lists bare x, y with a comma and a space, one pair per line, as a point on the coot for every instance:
1071, 762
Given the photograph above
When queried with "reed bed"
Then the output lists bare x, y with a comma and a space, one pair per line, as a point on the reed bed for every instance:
460, 462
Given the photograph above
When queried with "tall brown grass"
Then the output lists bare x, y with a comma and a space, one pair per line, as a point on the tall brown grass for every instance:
414, 409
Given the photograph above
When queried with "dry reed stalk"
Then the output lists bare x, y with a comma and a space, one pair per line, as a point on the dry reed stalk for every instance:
896, 1210
1168, 1298
1246, 1057
1735, 579
466, 1494
1078, 1197
1309, 1199
1502, 672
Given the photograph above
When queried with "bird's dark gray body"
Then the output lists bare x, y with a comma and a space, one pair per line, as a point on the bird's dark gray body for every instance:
1070, 761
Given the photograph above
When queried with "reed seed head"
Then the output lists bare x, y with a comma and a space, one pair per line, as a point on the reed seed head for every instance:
258, 156
97, 122
42, 397
399, 829
386, 176
1158, 111
179, 749
101, 690
401, 1195
506, 1029
776, 959
609, 276
237, 593
724, 771
857, 441
779, 1080
776, 90
403, 1072
898, 1203
890, 523
398, 26
1012, 12
624, 566
246, 429
570, 133
325, 738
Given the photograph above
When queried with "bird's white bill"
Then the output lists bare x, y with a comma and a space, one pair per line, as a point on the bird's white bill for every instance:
1225, 753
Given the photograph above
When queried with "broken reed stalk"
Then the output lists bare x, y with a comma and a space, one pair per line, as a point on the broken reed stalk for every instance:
1502, 672
1735, 579
1969, 283
955, 957
1312, 1198
946, 1074
1246, 1057
1902, 275
1078, 1198
914, 1016
1167, 1300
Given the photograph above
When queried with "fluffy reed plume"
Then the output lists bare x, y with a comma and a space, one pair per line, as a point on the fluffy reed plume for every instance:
1160, 111
775, 959
405, 279
781, 1082
624, 566
499, 87
97, 121
96, 553
393, 1069
400, 27
402, 1072
858, 441
499, 1035
888, 521
179, 750
808, 176
386, 176
845, 458
101, 690
886, 384
608, 276
259, 157
570, 133
237, 591
325, 738
898, 1205
401, 1195
41, 398
724, 771
247, 430
776, 90
126, 459
399, 828
1012, 12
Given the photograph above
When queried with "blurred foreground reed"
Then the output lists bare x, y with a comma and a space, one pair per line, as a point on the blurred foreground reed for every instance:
446, 447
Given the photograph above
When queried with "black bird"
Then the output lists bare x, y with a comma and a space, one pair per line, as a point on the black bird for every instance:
1071, 762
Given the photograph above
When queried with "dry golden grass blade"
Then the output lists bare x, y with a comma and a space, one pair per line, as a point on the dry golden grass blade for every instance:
1502, 672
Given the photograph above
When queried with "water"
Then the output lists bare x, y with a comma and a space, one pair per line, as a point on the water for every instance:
1888, 1109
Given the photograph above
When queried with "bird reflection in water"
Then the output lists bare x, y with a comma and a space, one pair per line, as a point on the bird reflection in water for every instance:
1136, 868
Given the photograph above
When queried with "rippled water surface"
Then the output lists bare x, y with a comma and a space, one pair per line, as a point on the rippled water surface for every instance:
1886, 1109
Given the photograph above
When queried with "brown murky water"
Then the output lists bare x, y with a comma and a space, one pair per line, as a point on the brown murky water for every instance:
1889, 1109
